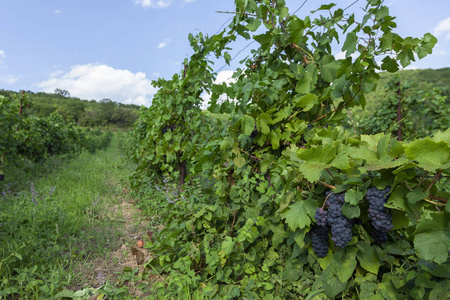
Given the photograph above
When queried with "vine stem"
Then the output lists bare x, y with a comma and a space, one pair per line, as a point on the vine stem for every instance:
438, 198
232, 224
327, 185
434, 179
435, 203
326, 199
257, 158
235, 13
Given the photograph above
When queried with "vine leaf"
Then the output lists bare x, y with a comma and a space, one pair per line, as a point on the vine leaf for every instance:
248, 124
350, 44
263, 121
429, 155
442, 136
329, 68
239, 161
315, 160
368, 257
344, 264
389, 64
279, 234
331, 283
306, 101
299, 214
415, 196
376, 152
432, 237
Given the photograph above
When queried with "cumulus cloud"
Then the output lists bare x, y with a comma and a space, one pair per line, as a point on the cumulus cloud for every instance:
9, 79
443, 28
224, 76
163, 44
95, 81
153, 3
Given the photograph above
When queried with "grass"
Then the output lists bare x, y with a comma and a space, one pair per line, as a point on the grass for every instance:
54, 217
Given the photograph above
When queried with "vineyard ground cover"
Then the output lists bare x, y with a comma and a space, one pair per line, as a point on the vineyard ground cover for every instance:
67, 227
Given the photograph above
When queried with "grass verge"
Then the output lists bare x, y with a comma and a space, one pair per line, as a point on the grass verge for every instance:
52, 225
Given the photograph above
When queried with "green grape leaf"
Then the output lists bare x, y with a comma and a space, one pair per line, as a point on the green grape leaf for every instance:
331, 283
303, 85
415, 196
368, 257
239, 161
345, 264
315, 160
389, 64
253, 25
432, 237
300, 214
279, 234
353, 196
442, 136
306, 101
350, 44
248, 124
429, 155
350, 211
263, 121
329, 66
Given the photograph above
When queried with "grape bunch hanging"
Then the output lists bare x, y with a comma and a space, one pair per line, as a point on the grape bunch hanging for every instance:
341, 226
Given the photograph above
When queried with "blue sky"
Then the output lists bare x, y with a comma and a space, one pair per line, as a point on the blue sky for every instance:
99, 49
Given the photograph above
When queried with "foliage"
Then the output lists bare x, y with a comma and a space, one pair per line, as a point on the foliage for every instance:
54, 221
9, 119
87, 113
37, 138
424, 111
282, 149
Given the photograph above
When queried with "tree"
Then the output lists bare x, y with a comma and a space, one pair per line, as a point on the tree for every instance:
62, 92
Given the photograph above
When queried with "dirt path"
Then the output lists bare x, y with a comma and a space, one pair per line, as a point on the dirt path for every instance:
133, 227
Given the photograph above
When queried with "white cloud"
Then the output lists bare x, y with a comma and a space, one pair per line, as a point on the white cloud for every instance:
163, 44
224, 76
341, 55
153, 3
443, 27
9, 79
189, 1
95, 81
57, 11
2, 56
410, 68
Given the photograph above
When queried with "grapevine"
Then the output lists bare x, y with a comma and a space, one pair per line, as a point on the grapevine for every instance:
263, 218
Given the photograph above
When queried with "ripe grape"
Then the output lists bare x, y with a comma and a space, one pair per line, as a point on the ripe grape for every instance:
380, 216
319, 239
341, 226
321, 217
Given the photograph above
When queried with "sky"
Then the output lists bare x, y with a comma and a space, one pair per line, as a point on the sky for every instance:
98, 49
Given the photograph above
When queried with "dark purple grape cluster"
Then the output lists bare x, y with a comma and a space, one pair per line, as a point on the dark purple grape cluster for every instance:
341, 226
321, 217
380, 216
319, 239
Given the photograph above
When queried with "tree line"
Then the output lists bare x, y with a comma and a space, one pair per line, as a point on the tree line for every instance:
86, 113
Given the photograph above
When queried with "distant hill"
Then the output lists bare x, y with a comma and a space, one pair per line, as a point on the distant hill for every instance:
88, 113
438, 77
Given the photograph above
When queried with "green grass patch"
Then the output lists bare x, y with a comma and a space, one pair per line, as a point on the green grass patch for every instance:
52, 224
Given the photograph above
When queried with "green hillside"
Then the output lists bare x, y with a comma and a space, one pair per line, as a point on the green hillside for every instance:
439, 78
88, 113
